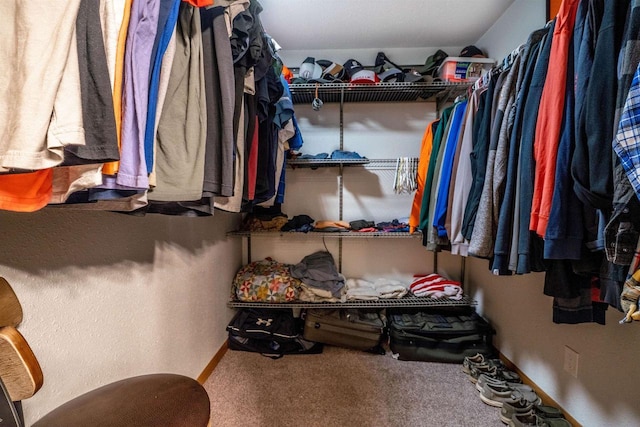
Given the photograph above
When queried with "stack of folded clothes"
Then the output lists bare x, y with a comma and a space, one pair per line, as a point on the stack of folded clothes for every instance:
395, 225
301, 223
320, 278
435, 286
360, 289
363, 225
328, 226
264, 219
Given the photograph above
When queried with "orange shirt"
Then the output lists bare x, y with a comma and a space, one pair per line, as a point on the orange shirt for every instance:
111, 168
423, 165
287, 74
26, 192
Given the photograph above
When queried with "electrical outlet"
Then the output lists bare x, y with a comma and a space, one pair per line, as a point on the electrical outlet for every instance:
571, 361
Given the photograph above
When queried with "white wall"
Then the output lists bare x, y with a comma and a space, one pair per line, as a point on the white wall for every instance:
603, 393
107, 295
513, 27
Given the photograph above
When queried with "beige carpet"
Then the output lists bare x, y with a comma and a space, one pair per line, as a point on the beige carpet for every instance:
342, 387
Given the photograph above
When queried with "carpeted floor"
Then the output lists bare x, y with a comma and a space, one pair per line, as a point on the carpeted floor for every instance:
342, 387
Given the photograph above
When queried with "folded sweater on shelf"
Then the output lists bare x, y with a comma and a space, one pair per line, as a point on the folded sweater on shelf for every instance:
435, 286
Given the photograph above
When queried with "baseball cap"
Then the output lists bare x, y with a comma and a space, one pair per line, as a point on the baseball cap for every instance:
310, 72
391, 75
432, 63
388, 71
310, 69
331, 71
357, 73
472, 52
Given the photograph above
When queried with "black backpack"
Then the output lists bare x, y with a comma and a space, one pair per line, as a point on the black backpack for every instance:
270, 332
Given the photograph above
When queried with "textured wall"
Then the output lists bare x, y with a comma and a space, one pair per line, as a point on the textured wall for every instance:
107, 295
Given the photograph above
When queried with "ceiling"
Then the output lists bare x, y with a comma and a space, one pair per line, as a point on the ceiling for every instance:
407, 29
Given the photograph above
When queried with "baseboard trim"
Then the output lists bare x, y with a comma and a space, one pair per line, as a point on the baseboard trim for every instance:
208, 370
546, 399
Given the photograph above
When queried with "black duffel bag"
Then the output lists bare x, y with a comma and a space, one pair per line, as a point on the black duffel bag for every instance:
439, 336
270, 332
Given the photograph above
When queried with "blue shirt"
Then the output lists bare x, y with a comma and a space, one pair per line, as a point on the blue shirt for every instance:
162, 43
442, 198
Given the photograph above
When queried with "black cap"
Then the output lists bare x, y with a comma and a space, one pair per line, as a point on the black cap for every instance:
472, 52
352, 66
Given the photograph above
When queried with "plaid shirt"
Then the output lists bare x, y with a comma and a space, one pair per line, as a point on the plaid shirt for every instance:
627, 140
631, 288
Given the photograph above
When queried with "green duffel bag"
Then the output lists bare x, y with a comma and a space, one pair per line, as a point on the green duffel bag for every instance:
352, 328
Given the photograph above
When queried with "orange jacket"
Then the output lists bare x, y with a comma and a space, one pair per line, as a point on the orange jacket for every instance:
548, 125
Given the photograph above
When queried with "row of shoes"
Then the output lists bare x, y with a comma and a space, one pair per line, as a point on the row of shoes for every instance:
499, 387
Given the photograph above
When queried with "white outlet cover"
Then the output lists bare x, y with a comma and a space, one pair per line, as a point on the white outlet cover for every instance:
571, 361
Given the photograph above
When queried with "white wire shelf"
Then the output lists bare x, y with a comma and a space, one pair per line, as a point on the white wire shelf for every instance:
407, 301
378, 92
316, 163
336, 234
381, 164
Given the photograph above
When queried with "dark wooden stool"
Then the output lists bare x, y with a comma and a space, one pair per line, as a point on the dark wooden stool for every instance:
156, 400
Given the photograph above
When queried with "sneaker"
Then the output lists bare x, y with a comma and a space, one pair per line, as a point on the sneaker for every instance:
523, 407
511, 409
528, 420
503, 377
512, 393
479, 359
493, 371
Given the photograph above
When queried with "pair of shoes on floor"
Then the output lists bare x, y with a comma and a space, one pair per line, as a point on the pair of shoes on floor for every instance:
480, 361
522, 412
495, 372
512, 393
496, 378
537, 421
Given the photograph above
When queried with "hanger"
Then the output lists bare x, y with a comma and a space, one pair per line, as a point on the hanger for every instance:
460, 98
508, 60
483, 81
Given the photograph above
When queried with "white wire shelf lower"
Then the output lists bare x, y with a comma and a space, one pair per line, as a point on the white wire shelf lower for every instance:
315, 163
336, 234
383, 164
407, 301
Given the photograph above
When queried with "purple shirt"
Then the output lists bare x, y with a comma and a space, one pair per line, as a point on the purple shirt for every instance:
135, 92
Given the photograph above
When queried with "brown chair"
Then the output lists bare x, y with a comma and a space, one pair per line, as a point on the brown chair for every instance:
167, 400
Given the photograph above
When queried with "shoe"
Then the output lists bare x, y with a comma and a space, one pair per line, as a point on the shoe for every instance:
523, 407
504, 378
512, 393
528, 420
494, 371
480, 360
477, 359
509, 410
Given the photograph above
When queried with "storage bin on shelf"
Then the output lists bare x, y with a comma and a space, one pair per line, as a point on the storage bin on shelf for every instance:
464, 69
